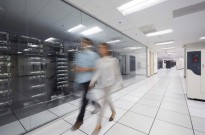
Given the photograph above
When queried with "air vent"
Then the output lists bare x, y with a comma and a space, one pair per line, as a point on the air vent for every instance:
189, 10
147, 29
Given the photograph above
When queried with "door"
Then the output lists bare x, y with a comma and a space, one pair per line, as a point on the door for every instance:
151, 63
203, 71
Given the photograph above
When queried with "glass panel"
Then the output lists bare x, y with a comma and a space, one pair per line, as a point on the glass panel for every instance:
94, 30
38, 41
12, 24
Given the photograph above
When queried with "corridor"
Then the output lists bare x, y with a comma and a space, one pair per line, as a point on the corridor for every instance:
154, 106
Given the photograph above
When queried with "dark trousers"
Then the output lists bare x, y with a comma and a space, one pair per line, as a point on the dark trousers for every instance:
85, 101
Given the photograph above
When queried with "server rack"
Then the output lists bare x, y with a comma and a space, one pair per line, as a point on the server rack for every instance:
62, 73
31, 73
132, 63
160, 64
72, 50
5, 73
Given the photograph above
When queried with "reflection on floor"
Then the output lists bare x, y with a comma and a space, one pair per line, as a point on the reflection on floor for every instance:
19, 121
22, 120
154, 106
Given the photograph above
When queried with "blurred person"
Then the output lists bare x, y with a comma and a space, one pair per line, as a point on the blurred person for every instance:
84, 68
107, 75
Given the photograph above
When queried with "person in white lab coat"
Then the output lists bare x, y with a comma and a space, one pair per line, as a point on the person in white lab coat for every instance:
107, 75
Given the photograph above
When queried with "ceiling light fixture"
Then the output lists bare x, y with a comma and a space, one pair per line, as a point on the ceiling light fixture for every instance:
91, 31
137, 5
49, 39
165, 43
159, 33
113, 41
76, 28
169, 48
133, 48
202, 38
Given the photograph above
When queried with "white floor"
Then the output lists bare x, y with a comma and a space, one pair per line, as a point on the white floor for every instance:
154, 106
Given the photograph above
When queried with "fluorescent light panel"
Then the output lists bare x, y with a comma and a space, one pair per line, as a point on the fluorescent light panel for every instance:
168, 48
113, 41
50, 39
76, 28
165, 43
159, 33
133, 48
202, 38
137, 5
91, 31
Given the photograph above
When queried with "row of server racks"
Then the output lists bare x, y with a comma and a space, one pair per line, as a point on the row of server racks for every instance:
33, 71
169, 63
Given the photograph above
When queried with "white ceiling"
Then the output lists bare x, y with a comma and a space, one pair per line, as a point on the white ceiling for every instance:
188, 28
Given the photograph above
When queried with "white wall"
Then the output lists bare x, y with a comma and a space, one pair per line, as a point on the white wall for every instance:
195, 46
180, 64
140, 58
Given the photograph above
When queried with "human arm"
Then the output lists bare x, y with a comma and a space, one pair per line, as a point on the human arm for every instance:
95, 76
83, 69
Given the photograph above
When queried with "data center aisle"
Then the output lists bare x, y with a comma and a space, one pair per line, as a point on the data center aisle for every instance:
154, 106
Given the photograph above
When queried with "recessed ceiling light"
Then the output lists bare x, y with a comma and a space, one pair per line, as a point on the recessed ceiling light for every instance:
202, 38
138, 5
165, 43
169, 48
159, 33
31, 45
76, 28
113, 41
91, 31
49, 39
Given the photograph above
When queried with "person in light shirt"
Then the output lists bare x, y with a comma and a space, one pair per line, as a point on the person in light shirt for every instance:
107, 75
84, 69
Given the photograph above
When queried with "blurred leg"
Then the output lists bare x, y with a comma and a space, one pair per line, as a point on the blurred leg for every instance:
80, 117
108, 99
84, 102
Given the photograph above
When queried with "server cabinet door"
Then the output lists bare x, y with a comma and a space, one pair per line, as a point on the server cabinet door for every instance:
203, 71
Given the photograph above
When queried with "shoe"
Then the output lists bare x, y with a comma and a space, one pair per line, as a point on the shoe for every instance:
97, 130
112, 116
76, 126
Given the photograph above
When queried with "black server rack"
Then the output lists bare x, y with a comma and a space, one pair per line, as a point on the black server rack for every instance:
72, 50
132, 63
160, 64
31, 75
62, 73
168, 64
5, 73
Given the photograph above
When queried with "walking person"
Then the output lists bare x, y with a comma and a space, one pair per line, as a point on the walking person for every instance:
84, 68
107, 75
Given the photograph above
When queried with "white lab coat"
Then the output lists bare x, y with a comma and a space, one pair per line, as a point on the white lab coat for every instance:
107, 75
